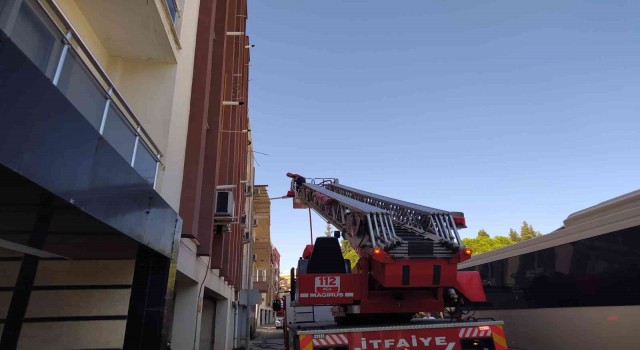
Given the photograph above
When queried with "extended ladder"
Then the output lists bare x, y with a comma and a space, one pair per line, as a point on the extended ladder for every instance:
372, 221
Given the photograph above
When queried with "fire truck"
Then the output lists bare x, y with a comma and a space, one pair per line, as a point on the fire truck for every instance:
408, 257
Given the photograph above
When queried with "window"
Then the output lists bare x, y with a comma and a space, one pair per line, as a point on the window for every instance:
598, 271
119, 133
145, 163
78, 84
173, 9
34, 36
261, 276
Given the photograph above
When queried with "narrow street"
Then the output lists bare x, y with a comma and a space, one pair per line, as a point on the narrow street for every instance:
268, 337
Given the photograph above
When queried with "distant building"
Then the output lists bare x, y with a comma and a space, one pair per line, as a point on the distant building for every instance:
267, 258
285, 284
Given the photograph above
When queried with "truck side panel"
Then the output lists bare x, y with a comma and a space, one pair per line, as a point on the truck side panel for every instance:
453, 338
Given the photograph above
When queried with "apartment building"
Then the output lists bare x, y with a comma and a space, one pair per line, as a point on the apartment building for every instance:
285, 284
125, 164
266, 258
218, 161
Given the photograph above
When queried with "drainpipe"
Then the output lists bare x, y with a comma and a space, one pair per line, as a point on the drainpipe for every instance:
250, 253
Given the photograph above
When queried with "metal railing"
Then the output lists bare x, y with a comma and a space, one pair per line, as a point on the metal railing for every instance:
76, 63
70, 30
348, 215
414, 216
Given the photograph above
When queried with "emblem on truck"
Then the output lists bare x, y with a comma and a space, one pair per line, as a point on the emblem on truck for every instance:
328, 284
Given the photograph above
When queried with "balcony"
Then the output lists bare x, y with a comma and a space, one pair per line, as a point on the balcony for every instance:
137, 30
65, 127
261, 286
71, 67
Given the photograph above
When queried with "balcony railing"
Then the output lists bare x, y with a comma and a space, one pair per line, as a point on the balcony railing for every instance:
261, 286
48, 38
260, 278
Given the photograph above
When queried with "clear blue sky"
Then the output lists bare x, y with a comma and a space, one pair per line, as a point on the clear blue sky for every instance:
505, 110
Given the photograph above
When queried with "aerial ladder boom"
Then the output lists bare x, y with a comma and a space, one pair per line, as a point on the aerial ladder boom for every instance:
408, 252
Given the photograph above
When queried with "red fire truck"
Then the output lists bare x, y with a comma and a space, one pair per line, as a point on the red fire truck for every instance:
408, 257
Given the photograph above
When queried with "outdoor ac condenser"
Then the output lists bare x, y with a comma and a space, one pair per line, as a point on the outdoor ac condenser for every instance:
224, 205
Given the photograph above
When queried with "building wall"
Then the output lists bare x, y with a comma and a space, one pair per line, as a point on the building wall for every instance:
285, 283
213, 252
66, 290
204, 60
160, 95
266, 267
84, 28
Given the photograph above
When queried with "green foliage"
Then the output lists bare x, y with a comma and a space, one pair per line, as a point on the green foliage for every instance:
514, 236
349, 253
502, 241
527, 231
484, 243
483, 233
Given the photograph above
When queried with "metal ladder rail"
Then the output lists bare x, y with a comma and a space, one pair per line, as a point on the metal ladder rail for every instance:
417, 217
336, 210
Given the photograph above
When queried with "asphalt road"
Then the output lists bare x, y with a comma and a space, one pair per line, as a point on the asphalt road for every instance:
268, 337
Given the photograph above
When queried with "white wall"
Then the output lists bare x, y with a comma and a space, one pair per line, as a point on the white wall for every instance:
224, 325
170, 180
185, 313
194, 269
207, 324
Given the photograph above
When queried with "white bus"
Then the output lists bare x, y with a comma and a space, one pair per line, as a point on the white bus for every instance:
575, 288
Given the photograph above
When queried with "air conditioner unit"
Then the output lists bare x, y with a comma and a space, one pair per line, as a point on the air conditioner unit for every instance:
224, 206
221, 227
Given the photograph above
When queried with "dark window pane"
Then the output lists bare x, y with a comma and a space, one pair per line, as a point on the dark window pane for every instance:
37, 39
172, 9
119, 134
145, 163
598, 271
77, 83
6, 13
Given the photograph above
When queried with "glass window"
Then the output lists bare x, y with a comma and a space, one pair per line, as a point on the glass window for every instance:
34, 36
145, 163
7, 13
598, 271
119, 133
77, 83
172, 9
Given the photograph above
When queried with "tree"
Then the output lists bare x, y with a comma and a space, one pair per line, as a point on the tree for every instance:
527, 232
483, 233
513, 235
483, 244
502, 241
